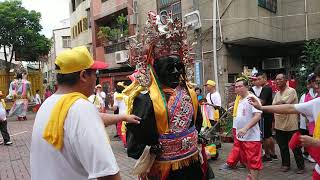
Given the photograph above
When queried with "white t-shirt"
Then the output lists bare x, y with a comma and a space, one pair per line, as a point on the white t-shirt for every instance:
311, 110
257, 90
38, 99
96, 100
215, 99
245, 113
86, 152
302, 118
120, 103
103, 96
3, 113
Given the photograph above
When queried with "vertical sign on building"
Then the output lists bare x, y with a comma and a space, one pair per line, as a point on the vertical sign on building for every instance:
197, 73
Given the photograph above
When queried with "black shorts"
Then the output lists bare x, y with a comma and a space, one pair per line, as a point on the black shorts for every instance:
266, 127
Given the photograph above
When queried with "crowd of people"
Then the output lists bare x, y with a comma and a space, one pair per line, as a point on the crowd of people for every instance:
252, 127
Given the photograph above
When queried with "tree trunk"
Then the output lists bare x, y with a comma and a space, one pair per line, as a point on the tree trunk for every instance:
6, 60
11, 57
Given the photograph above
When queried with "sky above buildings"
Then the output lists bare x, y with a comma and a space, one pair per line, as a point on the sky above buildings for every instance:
52, 13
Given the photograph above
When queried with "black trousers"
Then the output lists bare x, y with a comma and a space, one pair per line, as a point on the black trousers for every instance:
283, 138
4, 131
304, 132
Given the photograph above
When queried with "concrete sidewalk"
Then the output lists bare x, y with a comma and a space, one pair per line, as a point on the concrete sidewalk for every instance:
14, 161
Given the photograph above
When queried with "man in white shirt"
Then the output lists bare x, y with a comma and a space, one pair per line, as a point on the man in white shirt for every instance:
96, 99
247, 129
3, 122
119, 103
38, 98
82, 151
213, 99
101, 94
311, 110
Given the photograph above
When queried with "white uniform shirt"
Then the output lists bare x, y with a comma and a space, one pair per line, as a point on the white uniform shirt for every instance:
3, 113
86, 152
245, 113
103, 96
311, 110
214, 99
96, 100
120, 103
302, 118
257, 90
38, 99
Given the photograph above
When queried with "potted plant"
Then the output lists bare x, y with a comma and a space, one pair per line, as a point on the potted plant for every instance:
105, 34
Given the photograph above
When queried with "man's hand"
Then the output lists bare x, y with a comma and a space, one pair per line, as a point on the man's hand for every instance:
255, 102
242, 132
132, 119
309, 141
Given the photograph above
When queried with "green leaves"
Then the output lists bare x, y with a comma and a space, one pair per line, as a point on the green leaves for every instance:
309, 62
108, 33
20, 31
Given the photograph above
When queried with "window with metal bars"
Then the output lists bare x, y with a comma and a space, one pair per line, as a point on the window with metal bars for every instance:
66, 41
173, 6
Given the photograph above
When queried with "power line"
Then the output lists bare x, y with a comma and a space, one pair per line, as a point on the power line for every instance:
264, 17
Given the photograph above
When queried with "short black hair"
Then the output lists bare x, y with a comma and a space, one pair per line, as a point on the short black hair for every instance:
119, 89
69, 79
197, 88
317, 71
244, 81
261, 74
284, 76
19, 76
37, 90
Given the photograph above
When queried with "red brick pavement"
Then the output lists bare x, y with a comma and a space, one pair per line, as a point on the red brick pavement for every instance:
14, 161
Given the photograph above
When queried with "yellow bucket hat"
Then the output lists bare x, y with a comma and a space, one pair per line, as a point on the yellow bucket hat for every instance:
211, 83
77, 59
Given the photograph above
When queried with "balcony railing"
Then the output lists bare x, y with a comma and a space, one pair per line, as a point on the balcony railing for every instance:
112, 47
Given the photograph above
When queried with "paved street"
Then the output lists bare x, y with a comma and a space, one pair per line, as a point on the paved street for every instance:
14, 162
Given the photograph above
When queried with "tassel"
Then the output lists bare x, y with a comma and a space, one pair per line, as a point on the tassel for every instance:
162, 169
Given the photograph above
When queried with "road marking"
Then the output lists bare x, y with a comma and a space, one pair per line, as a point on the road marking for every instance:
18, 133
22, 132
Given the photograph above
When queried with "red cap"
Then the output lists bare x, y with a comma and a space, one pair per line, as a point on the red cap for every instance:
98, 65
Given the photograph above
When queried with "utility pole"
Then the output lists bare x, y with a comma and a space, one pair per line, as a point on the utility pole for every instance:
198, 50
214, 42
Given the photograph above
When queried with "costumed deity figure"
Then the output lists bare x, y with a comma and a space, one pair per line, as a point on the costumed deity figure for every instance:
20, 92
162, 96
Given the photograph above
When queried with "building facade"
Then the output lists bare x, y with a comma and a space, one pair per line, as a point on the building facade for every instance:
61, 40
266, 34
80, 23
120, 18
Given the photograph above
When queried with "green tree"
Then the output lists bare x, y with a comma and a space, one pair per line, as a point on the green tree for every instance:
123, 24
110, 34
20, 32
310, 60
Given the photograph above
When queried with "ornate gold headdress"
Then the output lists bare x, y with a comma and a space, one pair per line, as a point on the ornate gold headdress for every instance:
162, 36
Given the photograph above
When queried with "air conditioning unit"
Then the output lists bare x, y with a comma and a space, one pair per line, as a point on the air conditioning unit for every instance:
273, 63
192, 20
121, 56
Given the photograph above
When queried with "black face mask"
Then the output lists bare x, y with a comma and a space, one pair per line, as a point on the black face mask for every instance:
169, 69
